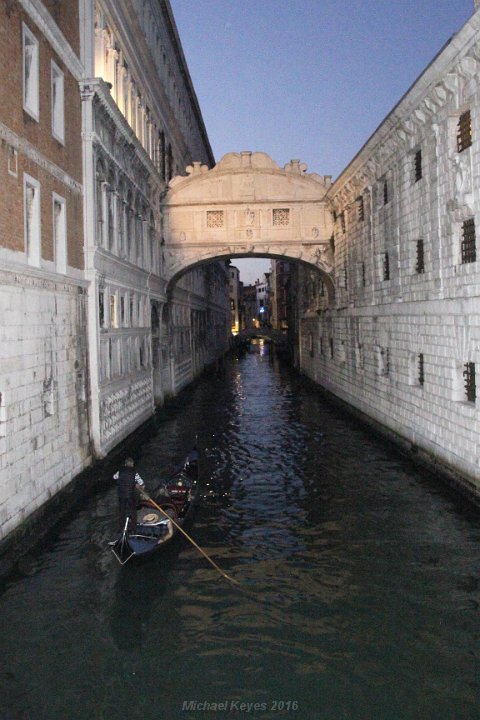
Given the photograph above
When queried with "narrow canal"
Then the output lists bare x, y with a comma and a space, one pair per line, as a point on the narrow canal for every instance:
359, 579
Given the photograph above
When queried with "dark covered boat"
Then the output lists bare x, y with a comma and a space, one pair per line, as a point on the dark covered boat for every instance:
159, 518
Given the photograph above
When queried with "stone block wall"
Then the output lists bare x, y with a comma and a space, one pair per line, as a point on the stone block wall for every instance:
44, 439
400, 341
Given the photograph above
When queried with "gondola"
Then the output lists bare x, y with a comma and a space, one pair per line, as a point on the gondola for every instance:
177, 498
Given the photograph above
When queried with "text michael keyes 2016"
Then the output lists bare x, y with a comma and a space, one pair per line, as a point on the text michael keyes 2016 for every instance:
239, 706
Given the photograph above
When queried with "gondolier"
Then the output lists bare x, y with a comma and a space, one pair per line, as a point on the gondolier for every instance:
156, 524
127, 482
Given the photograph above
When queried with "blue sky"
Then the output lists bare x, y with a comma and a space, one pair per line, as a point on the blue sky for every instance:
307, 79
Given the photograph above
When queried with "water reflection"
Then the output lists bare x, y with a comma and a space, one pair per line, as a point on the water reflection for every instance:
359, 578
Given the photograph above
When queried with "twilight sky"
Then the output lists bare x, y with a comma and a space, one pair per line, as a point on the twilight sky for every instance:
307, 79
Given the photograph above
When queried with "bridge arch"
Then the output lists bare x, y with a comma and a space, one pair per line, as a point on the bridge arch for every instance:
247, 206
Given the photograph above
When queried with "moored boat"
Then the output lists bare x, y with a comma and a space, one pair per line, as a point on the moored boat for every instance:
159, 518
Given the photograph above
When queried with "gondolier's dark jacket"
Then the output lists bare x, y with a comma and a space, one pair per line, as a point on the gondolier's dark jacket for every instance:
126, 479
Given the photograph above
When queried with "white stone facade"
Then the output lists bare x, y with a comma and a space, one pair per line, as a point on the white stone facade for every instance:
141, 125
401, 340
44, 440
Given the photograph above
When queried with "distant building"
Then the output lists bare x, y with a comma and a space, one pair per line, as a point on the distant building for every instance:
249, 307
234, 297
280, 283
263, 300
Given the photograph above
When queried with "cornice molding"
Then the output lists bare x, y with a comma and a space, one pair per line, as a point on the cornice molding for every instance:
28, 276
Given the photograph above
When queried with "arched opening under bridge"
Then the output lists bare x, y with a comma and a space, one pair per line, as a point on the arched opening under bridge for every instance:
247, 206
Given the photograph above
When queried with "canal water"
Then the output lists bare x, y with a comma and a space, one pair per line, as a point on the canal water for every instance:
358, 594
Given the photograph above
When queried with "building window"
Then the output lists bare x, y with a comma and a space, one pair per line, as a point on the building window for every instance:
421, 369
281, 217
359, 356
101, 308
58, 104
311, 345
382, 360
113, 311
468, 245
32, 220
49, 398
420, 258
464, 131
215, 218
342, 223
60, 233
12, 161
361, 277
416, 369
386, 266
385, 192
418, 166
30, 73
469, 382
360, 209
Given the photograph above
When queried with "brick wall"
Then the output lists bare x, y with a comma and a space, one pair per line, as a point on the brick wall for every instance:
39, 134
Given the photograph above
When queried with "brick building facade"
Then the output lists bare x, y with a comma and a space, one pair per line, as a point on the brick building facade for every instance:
43, 395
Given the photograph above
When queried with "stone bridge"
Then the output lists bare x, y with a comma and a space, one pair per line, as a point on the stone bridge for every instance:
276, 336
247, 206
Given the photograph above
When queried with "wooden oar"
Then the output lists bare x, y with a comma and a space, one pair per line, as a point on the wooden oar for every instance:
212, 562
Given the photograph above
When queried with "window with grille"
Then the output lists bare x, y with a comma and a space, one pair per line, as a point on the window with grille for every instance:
214, 218
420, 258
469, 382
421, 369
281, 217
464, 131
359, 356
386, 266
468, 244
360, 209
418, 166
382, 360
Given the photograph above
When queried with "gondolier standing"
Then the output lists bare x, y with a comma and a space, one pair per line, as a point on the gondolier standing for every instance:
127, 482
